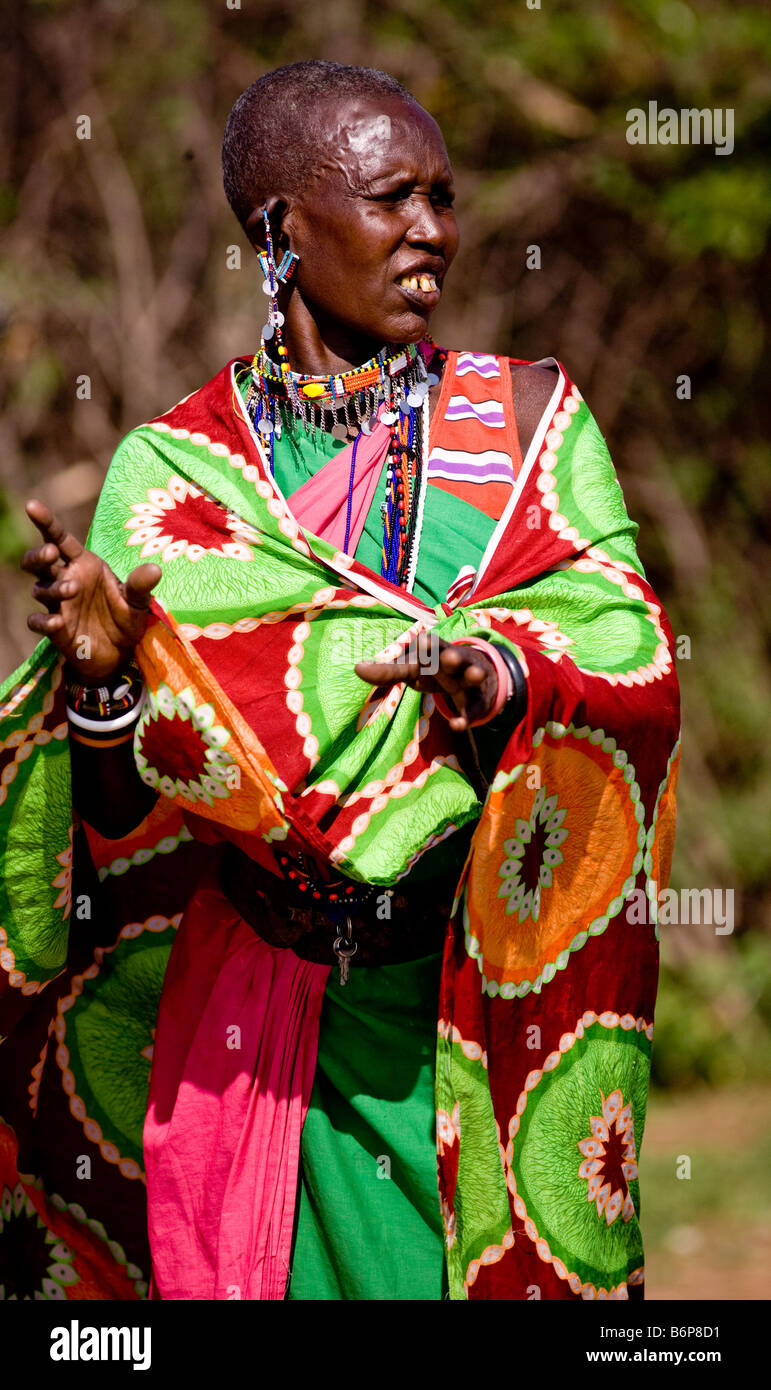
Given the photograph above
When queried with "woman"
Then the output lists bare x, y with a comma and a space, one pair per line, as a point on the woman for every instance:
386, 725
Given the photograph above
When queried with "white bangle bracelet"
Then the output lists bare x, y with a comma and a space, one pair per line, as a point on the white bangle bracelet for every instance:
105, 726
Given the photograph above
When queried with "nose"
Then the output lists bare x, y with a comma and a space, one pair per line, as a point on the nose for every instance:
429, 227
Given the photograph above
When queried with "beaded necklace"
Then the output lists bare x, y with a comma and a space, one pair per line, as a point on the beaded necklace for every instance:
398, 379
393, 377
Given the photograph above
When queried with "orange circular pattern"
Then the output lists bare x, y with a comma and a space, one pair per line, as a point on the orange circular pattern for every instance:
585, 866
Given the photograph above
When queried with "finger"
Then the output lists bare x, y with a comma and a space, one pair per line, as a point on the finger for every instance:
40, 594
474, 674
139, 584
450, 659
51, 529
387, 672
53, 593
45, 623
40, 560
454, 659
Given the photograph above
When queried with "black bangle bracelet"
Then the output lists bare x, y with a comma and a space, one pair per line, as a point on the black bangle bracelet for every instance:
516, 706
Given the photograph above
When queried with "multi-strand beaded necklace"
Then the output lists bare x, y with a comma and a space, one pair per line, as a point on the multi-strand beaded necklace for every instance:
392, 387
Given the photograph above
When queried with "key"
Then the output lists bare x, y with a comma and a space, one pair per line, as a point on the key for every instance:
344, 948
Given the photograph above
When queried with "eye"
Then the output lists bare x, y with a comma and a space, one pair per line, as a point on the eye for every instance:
393, 195
444, 197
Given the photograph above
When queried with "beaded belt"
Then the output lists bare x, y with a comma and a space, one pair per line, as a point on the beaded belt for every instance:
377, 926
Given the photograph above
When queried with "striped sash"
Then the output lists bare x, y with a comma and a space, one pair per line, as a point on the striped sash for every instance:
475, 454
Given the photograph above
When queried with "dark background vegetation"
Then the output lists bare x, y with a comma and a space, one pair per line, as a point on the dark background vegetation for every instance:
654, 264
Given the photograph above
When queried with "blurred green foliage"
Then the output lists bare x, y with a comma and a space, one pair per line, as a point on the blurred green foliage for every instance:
654, 266
714, 1027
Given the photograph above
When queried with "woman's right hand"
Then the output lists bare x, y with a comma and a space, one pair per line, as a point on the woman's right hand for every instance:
93, 619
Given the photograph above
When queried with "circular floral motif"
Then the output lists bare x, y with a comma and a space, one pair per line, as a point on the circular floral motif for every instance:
612, 1130
536, 842
173, 731
573, 852
571, 1158
182, 520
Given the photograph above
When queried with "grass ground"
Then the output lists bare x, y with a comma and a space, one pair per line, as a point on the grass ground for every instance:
709, 1235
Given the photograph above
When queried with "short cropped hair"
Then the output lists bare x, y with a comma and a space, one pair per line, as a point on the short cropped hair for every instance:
271, 139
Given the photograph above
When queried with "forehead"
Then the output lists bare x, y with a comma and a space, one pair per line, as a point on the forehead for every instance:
368, 137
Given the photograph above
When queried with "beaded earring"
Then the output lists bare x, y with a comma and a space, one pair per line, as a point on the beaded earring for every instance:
284, 271
275, 275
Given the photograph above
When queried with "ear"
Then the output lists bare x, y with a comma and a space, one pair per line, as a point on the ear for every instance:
276, 209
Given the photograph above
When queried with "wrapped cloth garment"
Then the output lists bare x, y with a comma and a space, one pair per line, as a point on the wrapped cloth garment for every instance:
256, 723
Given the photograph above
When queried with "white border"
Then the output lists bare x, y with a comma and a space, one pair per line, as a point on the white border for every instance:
425, 453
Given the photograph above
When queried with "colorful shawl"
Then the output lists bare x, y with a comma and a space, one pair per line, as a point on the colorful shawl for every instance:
256, 722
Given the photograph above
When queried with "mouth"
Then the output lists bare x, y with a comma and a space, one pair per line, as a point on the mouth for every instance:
420, 287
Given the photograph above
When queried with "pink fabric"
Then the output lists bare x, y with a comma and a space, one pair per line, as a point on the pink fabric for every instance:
321, 504
233, 1066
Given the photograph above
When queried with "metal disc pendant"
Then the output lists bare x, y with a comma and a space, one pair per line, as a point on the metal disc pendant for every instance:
389, 417
267, 331
414, 399
339, 431
279, 319
266, 287
433, 379
265, 426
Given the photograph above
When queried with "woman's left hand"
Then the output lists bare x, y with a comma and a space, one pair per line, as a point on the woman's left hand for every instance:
465, 677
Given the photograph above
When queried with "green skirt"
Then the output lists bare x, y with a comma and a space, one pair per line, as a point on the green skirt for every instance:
368, 1224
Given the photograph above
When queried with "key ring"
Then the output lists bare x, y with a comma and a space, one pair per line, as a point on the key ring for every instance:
345, 949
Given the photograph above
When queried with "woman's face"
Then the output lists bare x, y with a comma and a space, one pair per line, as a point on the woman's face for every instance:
375, 228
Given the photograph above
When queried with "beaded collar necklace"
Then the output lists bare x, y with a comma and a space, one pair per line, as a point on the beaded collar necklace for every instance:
398, 378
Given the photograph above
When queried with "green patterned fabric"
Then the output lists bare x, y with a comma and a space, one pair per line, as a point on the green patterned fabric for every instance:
369, 1225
